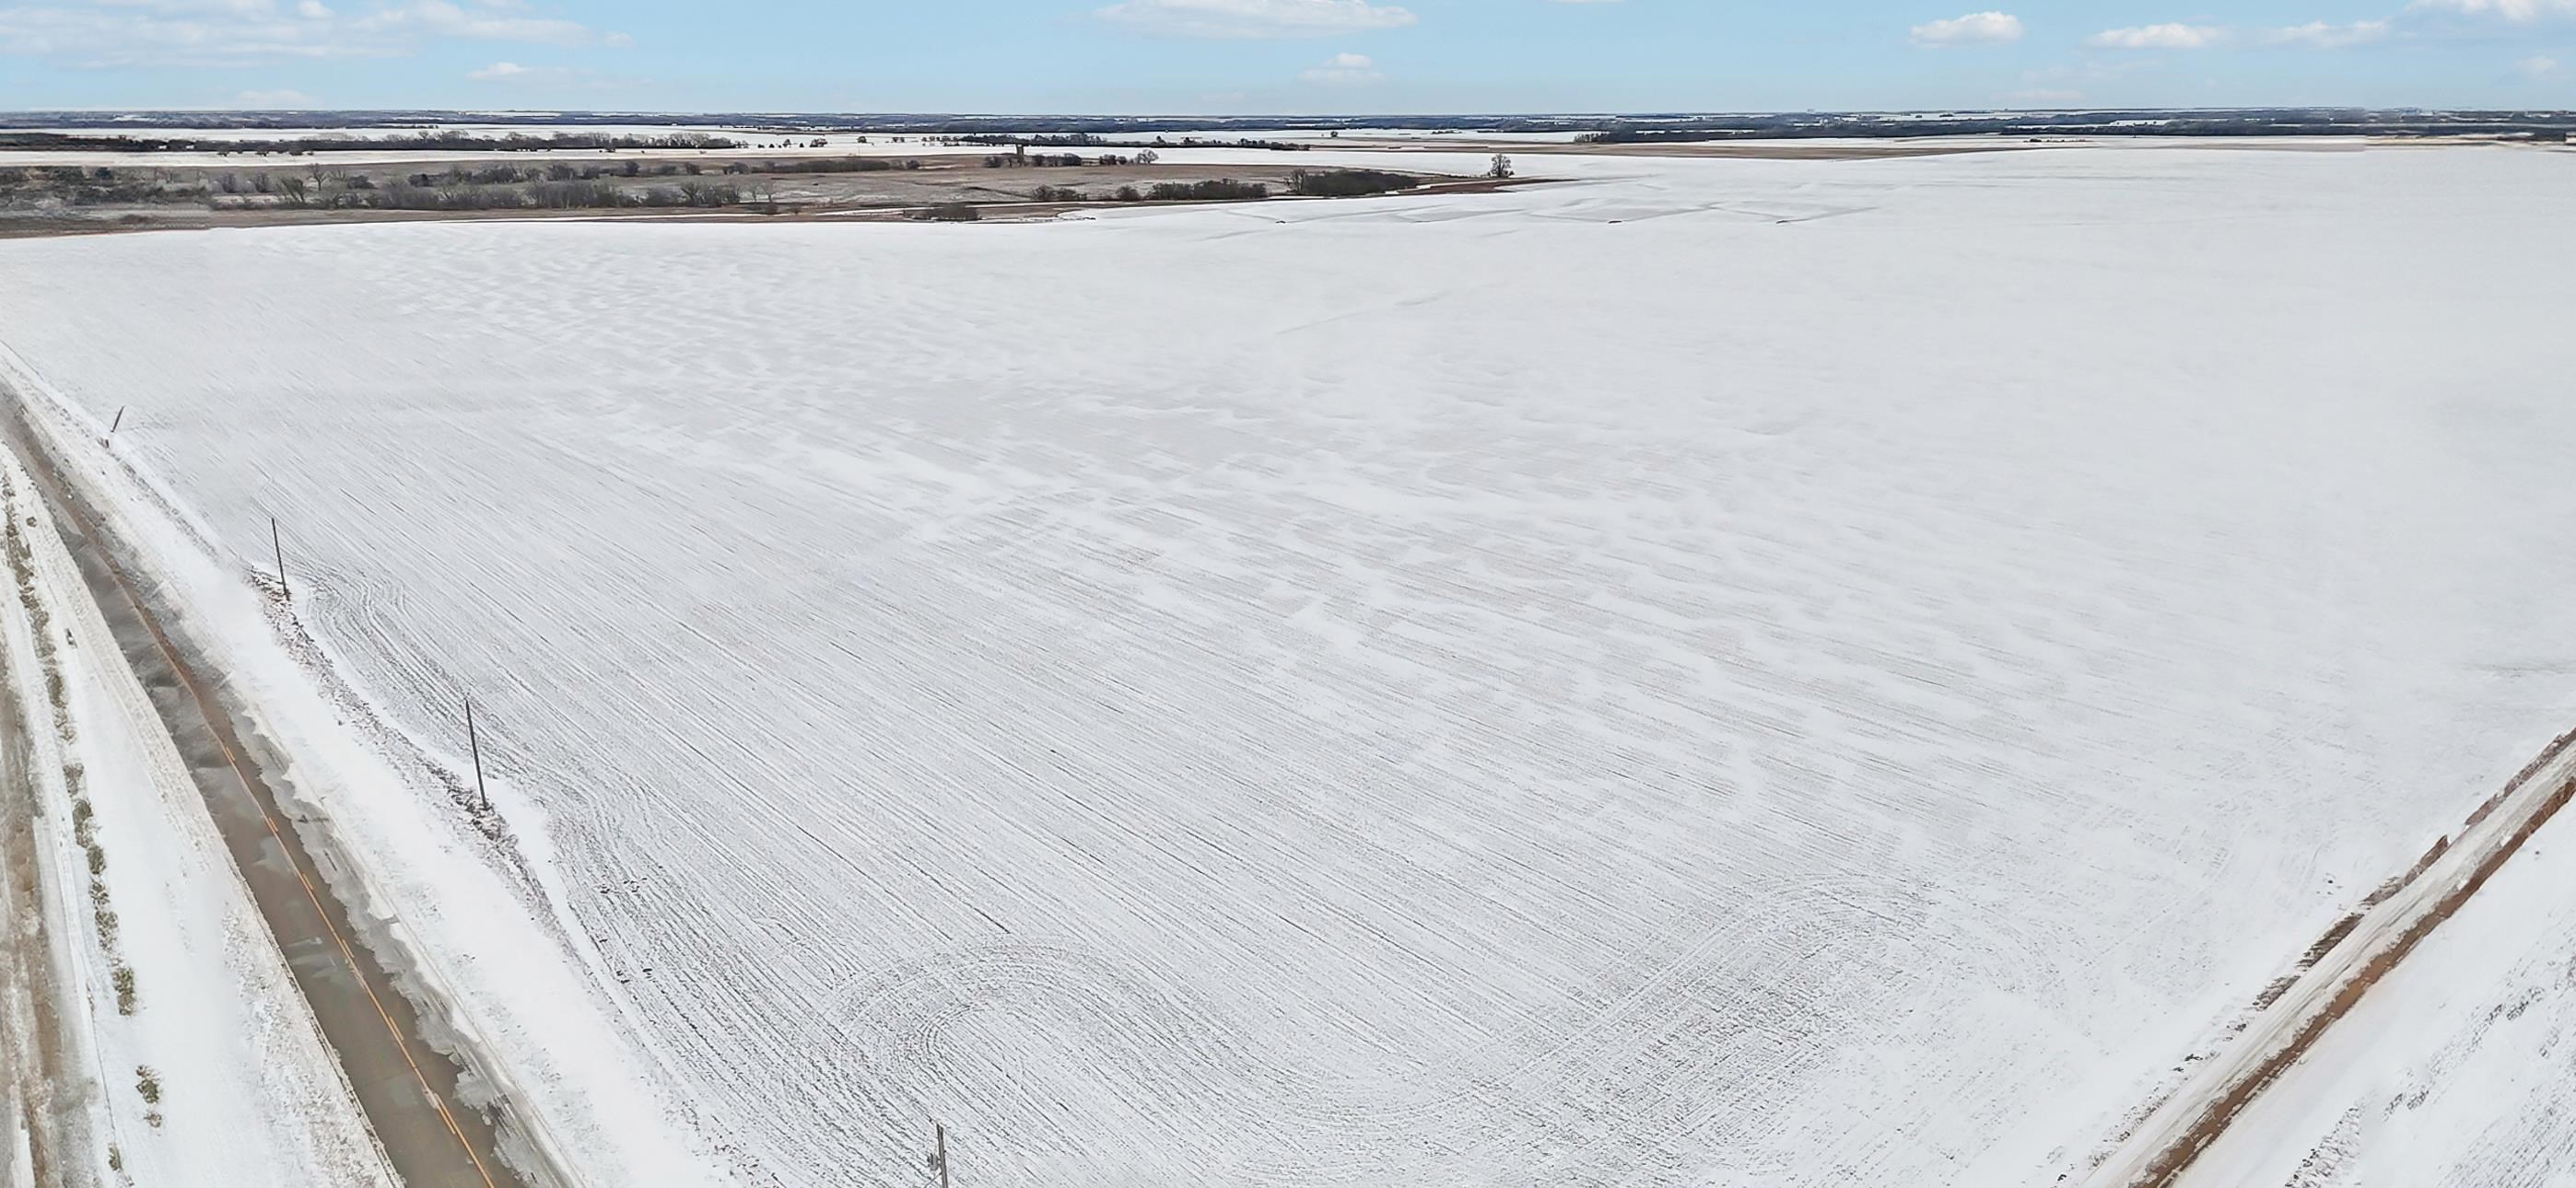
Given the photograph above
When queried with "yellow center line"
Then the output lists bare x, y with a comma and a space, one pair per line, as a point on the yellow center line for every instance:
206, 710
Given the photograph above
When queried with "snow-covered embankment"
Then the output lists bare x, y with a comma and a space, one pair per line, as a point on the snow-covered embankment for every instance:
186, 1055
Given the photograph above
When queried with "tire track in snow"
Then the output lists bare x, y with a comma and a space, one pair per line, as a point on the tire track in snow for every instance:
1615, 1068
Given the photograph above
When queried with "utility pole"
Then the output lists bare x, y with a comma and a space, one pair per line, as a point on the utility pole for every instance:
939, 1158
120, 419
474, 743
275, 543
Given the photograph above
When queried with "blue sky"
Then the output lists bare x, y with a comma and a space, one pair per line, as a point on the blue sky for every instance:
1320, 56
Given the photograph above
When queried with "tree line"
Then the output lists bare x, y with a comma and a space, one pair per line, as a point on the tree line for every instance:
1224, 189
1317, 183
430, 141
1090, 139
1348, 183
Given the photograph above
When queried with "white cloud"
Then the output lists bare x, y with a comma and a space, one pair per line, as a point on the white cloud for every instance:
99, 35
2537, 65
1342, 70
2170, 36
438, 18
618, 41
2325, 36
1254, 18
273, 100
553, 78
2511, 10
1976, 28
107, 34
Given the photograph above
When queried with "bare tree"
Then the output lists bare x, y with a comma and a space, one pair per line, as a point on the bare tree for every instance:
1502, 167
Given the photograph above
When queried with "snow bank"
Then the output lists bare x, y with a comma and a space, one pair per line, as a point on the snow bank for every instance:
208, 1068
2455, 1071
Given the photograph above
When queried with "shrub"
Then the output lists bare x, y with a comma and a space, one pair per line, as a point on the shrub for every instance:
1347, 183
949, 212
545, 195
1221, 189
830, 165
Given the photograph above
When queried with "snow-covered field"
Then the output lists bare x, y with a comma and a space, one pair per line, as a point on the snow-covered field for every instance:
1723, 673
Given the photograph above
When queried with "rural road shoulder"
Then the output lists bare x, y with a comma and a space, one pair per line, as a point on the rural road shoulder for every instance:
2164, 1143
